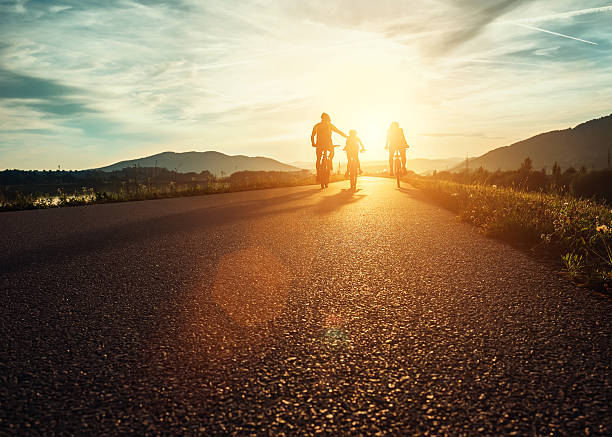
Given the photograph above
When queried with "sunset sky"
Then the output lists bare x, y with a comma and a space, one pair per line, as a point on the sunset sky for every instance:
88, 83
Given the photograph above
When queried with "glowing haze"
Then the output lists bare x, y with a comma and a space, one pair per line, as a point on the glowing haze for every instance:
84, 84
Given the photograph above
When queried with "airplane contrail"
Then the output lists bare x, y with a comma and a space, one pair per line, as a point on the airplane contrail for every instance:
554, 33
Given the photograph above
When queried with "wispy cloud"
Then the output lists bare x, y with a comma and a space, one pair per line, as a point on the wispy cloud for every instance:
569, 14
458, 134
126, 78
457, 23
493, 61
59, 8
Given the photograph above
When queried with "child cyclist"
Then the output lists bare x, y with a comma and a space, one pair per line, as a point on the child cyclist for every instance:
352, 150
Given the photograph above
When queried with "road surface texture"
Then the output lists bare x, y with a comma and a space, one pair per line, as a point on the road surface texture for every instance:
291, 311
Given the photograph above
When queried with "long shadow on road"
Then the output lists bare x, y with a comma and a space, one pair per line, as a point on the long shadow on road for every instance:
140, 230
332, 203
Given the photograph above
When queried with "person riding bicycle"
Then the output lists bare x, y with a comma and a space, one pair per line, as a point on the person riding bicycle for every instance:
323, 132
352, 150
396, 141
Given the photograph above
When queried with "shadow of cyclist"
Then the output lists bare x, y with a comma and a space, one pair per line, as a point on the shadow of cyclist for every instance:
332, 203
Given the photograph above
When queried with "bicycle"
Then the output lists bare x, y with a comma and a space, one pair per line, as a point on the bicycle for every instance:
325, 167
397, 166
353, 170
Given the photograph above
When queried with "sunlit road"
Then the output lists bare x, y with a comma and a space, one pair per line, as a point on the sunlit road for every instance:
290, 310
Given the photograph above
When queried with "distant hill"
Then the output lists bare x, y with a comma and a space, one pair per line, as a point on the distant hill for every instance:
585, 145
214, 162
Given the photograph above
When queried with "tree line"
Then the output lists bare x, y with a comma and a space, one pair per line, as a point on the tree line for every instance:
141, 181
577, 182
48, 182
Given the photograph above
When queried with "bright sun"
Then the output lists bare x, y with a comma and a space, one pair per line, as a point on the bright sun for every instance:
369, 100
372, 126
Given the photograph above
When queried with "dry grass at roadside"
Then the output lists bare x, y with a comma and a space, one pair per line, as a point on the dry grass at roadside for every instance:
240, 181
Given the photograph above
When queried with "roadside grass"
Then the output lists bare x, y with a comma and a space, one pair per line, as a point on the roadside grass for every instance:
578, 232
88, 196
240, 181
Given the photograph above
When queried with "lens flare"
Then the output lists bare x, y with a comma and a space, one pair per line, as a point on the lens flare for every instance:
251, 286
334, 333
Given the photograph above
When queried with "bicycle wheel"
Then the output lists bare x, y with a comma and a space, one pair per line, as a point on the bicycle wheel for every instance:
352, 173
324, 173
398, 169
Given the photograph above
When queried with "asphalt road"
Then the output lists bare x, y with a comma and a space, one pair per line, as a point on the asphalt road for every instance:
295, 311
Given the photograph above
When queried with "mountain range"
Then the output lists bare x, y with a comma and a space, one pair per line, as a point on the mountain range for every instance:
215, 162
219, 163
587, 144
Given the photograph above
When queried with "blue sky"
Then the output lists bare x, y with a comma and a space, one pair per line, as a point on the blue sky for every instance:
88, 83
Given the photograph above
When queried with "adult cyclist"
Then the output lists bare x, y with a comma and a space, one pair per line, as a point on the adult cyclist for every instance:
396, 140
323, 133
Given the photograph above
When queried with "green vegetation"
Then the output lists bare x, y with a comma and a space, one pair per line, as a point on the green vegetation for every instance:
47, 189
578, 183
579, 231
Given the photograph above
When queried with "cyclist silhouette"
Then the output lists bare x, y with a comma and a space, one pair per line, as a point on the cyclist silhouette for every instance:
323, 132
396, 141
352, 150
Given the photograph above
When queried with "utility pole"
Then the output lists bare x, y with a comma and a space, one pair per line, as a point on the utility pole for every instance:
467, 162
608, 158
